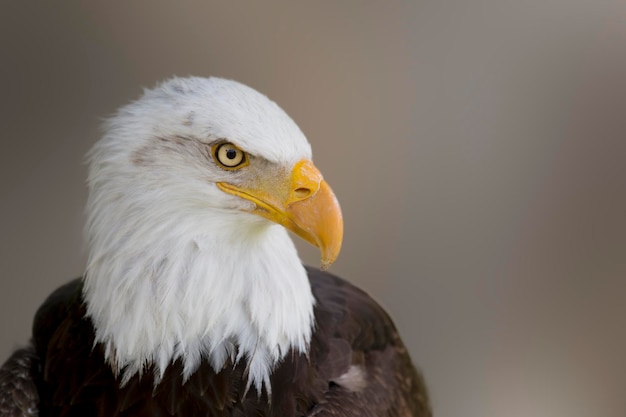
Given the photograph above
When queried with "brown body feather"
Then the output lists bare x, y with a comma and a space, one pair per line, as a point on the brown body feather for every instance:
357, 366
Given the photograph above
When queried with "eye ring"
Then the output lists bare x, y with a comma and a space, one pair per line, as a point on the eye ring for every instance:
228, 156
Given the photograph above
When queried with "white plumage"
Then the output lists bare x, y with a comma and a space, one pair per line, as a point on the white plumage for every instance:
179, 269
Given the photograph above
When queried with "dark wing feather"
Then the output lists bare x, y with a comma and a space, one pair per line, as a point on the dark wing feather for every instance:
347, 316
18, 391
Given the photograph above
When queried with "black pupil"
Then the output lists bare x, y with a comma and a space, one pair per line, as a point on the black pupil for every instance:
231, 154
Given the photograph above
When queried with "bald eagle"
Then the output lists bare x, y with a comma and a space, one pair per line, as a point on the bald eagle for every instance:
194, 301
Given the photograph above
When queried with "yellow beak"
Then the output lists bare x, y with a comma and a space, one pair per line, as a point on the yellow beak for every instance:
302, 202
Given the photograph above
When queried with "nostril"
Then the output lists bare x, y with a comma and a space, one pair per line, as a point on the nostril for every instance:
302, 192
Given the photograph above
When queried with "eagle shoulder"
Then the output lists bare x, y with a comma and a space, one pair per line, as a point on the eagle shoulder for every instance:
21, 375
358, 353
18, 389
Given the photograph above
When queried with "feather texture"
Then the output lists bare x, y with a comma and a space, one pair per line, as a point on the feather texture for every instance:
19, 396
351, 331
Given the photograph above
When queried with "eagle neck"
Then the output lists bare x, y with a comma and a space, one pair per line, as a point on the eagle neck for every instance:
223, 290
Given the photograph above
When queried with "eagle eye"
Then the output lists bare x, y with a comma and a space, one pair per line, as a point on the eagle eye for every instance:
229, 156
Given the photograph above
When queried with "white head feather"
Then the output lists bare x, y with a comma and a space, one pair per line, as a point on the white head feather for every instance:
177, 268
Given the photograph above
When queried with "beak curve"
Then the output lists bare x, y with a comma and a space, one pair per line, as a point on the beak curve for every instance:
300, 201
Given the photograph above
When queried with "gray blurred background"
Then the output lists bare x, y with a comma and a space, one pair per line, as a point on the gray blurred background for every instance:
478, 149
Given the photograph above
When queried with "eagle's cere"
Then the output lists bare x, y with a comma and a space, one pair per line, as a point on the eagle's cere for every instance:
194, 300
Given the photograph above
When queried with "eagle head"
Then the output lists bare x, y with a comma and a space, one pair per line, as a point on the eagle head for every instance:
191, 190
